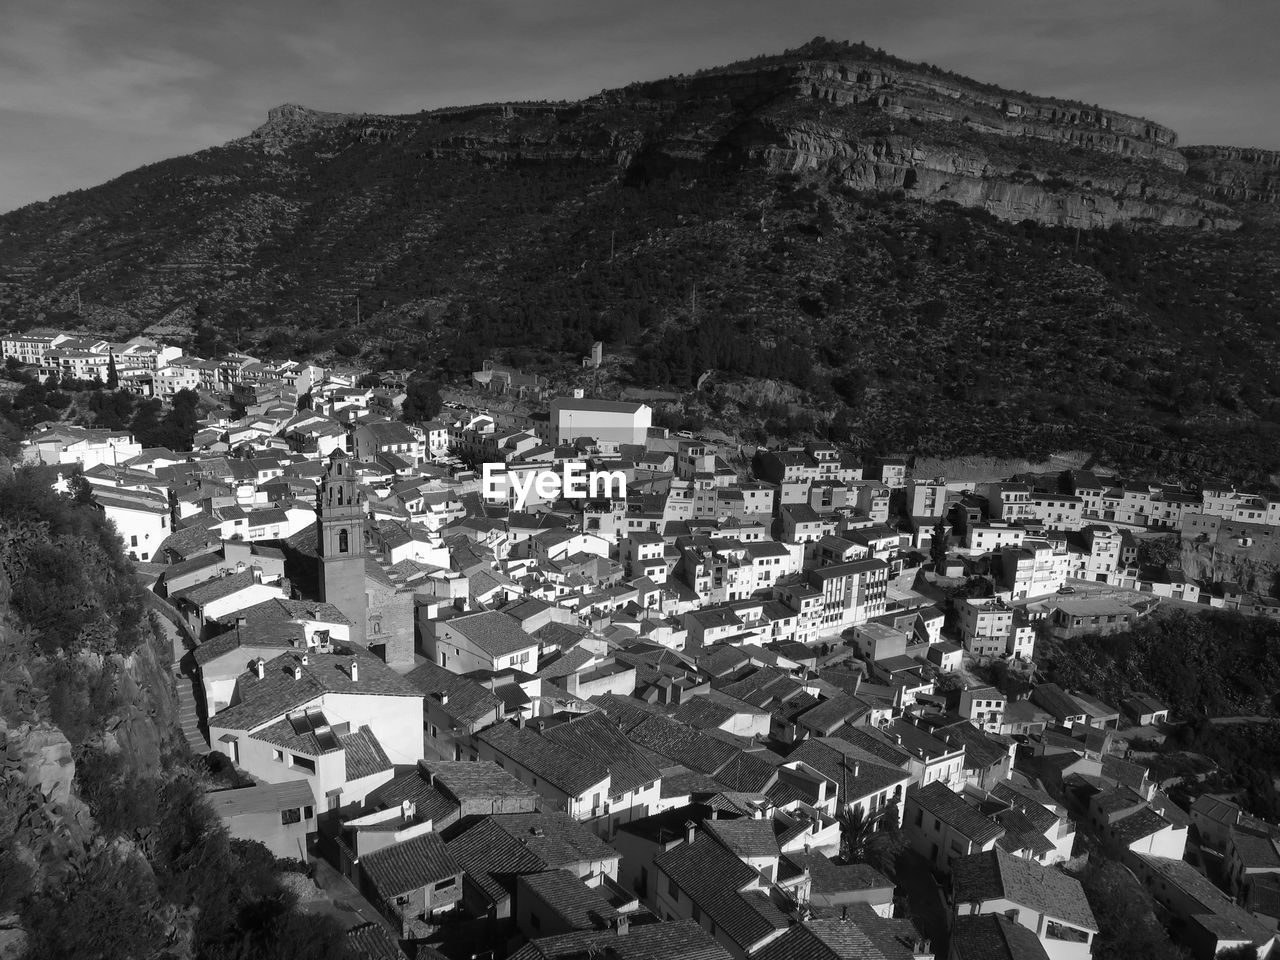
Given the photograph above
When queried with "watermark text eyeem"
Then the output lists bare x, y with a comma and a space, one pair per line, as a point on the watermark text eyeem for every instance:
573, 481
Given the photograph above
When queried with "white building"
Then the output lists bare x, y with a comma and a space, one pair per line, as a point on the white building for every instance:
30, 348
603, 420
1045, 900
1035, 569
340, 720
489, 640
67, 444
141, 517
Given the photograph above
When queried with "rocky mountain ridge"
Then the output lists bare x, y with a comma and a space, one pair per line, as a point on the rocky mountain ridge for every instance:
956, 166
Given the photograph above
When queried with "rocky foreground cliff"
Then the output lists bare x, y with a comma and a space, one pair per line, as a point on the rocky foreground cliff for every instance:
107, 847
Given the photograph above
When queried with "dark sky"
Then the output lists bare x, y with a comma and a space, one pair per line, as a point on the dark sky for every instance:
92, 88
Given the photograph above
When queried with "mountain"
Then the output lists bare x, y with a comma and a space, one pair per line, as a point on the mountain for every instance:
882, 252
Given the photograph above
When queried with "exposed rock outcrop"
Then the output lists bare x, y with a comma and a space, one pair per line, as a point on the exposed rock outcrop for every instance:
921, 94
1239, 174
965, 142
940, 172
42, 754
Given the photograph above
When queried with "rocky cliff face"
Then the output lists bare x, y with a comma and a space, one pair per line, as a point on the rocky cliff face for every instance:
144, 726
933, 171
918, 94
1254, 567
962, 142
873, 123
41, 754
1237, 173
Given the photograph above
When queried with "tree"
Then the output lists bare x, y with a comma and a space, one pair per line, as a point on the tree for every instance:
1128, 928
145, 425
179, 427
108, 906
938, 545
113, 377
856, 828
422, 400
1160, 551
13, 371
78, 488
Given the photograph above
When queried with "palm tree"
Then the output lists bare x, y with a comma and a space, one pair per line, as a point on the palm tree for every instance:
856, 828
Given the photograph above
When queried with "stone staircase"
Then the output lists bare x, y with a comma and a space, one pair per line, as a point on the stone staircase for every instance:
189, 715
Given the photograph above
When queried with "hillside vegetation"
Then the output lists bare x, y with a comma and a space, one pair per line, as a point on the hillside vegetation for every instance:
107, 849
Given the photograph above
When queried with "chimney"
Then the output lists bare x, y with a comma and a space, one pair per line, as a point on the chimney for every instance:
444, 699
240, 622
355, 671
304, 659
624, 925
690, 831
856, 768
260, 668
297, 672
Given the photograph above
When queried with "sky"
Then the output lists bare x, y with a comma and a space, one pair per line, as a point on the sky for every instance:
90, 89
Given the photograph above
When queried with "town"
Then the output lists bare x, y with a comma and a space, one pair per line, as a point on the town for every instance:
540, 678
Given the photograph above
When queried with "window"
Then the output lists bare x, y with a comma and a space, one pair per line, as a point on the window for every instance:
308, 812
133, 540
277, 755
446, 883
302, 763
290, 816
673, 890
344, 542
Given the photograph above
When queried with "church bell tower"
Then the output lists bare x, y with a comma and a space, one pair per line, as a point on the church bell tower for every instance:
340, 522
